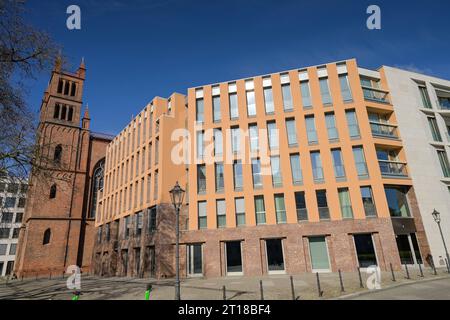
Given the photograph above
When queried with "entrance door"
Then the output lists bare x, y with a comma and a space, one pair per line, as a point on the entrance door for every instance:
234, 258
319, 254
150, 261
408, 249
125, 262
275, 256
9, 268
365, 250
137, 261
195, 260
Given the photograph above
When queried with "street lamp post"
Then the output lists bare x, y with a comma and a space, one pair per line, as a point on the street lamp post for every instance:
177, 195
437, 218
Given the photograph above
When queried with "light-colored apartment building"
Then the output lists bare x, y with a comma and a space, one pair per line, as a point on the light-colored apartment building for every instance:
12, 204
422, 106
292, 172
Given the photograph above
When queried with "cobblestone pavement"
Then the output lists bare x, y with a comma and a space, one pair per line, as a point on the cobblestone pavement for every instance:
277, 287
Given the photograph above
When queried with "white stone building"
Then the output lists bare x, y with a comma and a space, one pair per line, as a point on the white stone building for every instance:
422, 108
12, 204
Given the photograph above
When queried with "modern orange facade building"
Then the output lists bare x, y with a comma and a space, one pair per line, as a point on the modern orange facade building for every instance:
293, 172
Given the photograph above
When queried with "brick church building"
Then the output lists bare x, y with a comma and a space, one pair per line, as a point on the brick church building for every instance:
58, 229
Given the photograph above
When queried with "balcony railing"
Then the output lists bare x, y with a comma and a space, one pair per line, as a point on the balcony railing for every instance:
392, 168
384, 130
377, 95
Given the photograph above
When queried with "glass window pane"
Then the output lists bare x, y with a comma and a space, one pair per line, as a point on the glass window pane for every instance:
346, 205
256, 171
268, 97
234, 111
338, 163
277, 178
237, 170
217, 116
297, 177
365, 250
331, 126
319, 253
260, 210
311, 130
287, 97
345, 88
200, 110
275, 259
306, 94
325, 91
234, 256
273, 135
397, 201
360, 161
254, 137
280, 208
251, 105
352, 124
300, 203
317, 166
291, 132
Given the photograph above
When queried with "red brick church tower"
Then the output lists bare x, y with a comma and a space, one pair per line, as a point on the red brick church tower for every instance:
58, 229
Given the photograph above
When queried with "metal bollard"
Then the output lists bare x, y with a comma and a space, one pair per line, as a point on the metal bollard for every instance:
224, 292
434, 269
407, 272
319, 289
421, 271
341, 281
261, 289
392, 272
293, 289
360, 278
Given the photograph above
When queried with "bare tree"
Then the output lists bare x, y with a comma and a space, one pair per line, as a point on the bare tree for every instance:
24, 52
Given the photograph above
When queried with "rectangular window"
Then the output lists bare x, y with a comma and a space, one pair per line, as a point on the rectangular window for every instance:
149, 188
352, 122
306, 94
254, 137
319, 254
280, 208
296, 169
277, 178
365, 250
10, 202
268, 99
200, 144
239, 204
235, 139
260, 210
127, 226
219, 177
3, 252
152, 220
368, 202
201, 178
291, 132
316, 163
6, 217
287, 97
325, 91
234, 111
156, 151
346, 204
4, 233
434, 129
426, 102
300, 204
202, 222
397, 201
322, 204
445, 165
200, 110
221, 214
156, 186
12, 249
251, 105
139, 222
330, 120
256, 172
234, 257
346, 92
275, 258
338, 163
311, 130
272, 133
218, 142
194, 260
217, 115
19, 217
360, 162
237, 174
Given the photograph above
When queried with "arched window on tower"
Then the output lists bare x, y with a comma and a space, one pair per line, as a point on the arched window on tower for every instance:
53, 191
67, 88
73, 89
58, 154
97, 185
70, 116
60, 86
63, 113
56, 113
47, 237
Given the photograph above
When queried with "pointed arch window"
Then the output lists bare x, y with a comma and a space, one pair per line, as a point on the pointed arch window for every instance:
56, 113
53, 191
60, 86
47, 237
58, 154
63, 113
97, 185
67, 88
70, 115
73, 89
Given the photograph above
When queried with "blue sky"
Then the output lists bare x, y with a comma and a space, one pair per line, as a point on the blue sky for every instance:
138, 49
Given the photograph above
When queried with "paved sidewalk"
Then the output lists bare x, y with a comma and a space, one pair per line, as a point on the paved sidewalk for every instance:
237, 288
